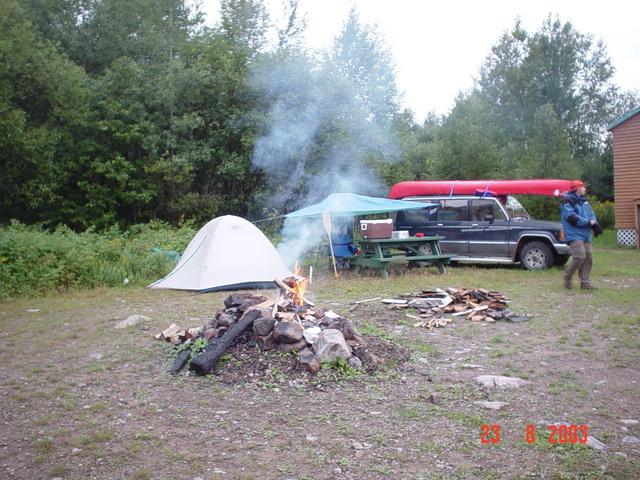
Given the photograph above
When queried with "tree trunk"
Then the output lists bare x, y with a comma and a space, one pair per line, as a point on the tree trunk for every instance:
204, 362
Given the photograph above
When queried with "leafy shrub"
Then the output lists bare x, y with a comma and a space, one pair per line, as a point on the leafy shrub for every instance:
35, 261
605, 212
542, 208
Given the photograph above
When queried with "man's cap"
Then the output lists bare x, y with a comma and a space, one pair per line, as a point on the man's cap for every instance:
576, 184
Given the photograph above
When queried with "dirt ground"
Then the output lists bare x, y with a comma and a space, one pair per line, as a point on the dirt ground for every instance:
83, 400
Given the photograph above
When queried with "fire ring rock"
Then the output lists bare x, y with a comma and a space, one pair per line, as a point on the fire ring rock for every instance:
287, 332
308, 360
263, 326
331, 345
292, 347
226, 320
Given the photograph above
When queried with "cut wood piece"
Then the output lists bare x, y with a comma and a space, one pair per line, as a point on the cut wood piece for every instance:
204, 362
466, 312
193, 332
171, 331
394, 301
287, 316
368, 300
275, 304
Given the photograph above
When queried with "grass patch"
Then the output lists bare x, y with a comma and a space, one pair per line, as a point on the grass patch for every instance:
45, 446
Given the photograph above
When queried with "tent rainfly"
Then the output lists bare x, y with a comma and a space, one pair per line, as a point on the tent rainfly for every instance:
353, 205
228, 253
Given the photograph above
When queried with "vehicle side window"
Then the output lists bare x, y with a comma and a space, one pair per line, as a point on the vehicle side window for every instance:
452, 211
482, 208
417, 217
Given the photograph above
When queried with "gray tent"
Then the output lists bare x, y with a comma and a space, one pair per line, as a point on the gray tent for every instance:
228, 253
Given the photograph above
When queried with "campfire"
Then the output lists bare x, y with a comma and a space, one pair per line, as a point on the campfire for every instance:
290, 323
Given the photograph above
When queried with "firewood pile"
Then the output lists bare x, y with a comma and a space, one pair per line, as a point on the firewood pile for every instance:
290, 323
438, 307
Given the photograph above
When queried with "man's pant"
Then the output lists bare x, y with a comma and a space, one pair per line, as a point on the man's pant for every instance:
581, 252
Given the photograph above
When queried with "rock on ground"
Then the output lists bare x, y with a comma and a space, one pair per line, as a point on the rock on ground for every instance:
498, 381
491, 405
131, 321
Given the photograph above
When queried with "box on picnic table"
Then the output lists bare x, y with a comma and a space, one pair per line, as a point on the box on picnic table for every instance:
376, 228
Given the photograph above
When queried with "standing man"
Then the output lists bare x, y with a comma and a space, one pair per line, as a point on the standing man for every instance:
578, 220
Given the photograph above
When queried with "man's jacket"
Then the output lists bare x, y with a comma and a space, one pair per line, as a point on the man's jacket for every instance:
576, 215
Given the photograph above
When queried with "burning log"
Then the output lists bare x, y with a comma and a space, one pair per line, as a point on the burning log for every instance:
204, 362
296, 292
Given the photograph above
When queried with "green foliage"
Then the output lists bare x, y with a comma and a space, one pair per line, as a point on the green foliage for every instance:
196, 347
605, 213
342, 368
542, 208
33, 261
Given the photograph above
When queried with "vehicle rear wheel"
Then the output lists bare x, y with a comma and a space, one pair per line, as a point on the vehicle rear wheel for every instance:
536, 256
424, 250
561, 260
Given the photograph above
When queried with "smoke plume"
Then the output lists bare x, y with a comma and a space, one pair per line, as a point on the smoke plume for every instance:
321, 136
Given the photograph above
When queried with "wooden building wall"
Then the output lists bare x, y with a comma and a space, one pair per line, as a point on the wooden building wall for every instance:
626, 171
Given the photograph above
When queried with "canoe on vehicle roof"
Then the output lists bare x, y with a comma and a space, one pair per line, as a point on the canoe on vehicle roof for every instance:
549, 187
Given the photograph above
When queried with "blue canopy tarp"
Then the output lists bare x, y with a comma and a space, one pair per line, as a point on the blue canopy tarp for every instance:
352, 205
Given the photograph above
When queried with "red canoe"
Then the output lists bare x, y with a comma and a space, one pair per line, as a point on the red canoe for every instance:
549, 187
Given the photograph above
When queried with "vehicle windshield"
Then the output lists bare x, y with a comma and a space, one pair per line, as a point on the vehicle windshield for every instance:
514, 208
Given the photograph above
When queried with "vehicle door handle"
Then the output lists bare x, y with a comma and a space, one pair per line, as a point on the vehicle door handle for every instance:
440, 224
474, 224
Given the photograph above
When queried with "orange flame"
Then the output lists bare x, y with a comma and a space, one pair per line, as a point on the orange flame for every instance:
299, 286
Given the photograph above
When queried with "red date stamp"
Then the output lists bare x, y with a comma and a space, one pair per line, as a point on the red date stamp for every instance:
557, 434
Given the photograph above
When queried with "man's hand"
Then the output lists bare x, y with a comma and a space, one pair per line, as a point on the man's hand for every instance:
597, 229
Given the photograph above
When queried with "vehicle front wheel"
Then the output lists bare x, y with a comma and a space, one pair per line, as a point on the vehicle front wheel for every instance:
536, 256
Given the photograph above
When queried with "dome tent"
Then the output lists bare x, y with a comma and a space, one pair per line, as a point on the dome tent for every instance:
228, 253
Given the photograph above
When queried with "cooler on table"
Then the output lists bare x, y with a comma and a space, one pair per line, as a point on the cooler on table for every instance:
376, 228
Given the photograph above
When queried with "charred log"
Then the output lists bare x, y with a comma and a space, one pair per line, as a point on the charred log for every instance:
204, 362
180, 361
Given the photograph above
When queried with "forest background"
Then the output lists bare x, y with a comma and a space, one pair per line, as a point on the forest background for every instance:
122, 112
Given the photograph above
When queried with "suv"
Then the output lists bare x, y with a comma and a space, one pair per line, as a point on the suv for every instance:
487, 230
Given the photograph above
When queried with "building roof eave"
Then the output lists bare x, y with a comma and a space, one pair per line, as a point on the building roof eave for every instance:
624, 118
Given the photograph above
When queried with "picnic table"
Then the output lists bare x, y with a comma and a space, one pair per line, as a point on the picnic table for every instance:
380, 252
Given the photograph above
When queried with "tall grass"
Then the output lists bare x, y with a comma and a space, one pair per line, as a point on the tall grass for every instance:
34, 261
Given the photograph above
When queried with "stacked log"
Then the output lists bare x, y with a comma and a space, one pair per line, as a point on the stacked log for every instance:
475, 304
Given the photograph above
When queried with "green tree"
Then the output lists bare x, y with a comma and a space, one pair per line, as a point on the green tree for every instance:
43, 120
468, 145
551, 95
360, 55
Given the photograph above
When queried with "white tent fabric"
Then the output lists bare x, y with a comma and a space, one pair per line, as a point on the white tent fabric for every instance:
228, 253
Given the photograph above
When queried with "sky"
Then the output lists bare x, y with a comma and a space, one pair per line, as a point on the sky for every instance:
438, 47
